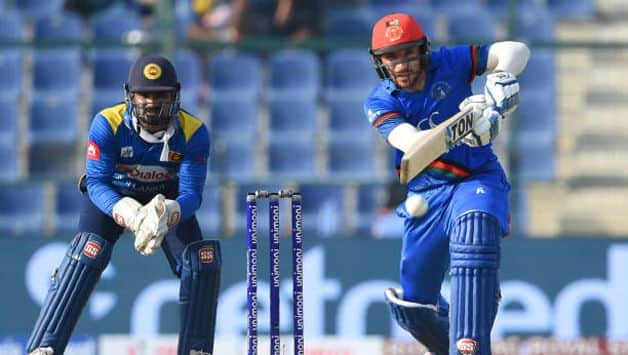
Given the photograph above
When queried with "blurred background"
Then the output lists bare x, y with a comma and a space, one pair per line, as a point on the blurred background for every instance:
281, 84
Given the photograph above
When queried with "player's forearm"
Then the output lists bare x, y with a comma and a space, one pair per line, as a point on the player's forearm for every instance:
189, 204
191, 183
404, 136
508, 56
102, 195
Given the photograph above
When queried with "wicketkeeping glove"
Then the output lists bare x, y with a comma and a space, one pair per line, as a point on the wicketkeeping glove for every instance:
166, 220
153, 228
173, 212
129, 213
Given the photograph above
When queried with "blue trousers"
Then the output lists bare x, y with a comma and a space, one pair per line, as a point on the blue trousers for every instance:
425, 250
95, 221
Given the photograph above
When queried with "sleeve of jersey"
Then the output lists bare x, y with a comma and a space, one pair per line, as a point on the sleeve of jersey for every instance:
383, 115
193, 172
468, 61
100, 165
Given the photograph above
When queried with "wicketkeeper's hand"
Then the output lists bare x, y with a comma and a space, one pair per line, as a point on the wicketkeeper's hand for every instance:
173, 212
502, 92
486, 124
129, 213
153, 228
160, 223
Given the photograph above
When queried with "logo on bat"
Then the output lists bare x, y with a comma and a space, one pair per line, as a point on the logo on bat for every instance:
459, 129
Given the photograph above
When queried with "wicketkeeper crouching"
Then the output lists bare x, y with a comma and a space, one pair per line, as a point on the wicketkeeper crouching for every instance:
146, 166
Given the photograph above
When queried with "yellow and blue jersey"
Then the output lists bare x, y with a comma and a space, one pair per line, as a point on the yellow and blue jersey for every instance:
448, 82
119, 163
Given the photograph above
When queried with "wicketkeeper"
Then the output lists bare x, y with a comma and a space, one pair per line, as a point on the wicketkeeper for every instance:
456, 211
145, 171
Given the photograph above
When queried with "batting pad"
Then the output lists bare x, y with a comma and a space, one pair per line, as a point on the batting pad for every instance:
474, 250
72, 283
200, 283
428, 323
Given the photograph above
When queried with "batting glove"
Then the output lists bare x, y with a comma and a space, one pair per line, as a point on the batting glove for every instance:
502, 92
486, 124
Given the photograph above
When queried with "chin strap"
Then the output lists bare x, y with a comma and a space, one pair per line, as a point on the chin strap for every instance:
157, 137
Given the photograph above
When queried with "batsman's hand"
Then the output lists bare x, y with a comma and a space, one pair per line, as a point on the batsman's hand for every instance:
502, 92
486, 124
154, 226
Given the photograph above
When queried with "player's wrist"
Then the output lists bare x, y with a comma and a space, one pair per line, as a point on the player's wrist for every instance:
502, 92
126, 211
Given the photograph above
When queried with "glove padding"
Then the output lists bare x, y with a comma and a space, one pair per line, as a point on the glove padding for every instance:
42, 351
153, 228
129, 213
486, 124
173, 213
502, 92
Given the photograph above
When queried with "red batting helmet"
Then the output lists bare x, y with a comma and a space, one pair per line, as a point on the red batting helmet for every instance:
394, 32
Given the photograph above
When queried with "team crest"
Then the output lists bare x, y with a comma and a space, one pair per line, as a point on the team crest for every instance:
393, 30
175, 157
152, 71
440, 90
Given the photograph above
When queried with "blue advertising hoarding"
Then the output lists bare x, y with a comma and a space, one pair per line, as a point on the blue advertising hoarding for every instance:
564, 288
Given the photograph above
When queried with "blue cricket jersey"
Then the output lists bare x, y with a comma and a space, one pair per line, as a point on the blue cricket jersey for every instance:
119, 163
448, 82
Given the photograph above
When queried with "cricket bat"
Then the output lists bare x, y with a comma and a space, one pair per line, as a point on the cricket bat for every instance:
439, 140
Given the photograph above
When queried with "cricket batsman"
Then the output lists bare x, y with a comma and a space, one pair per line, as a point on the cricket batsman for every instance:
145, 171
456, 211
